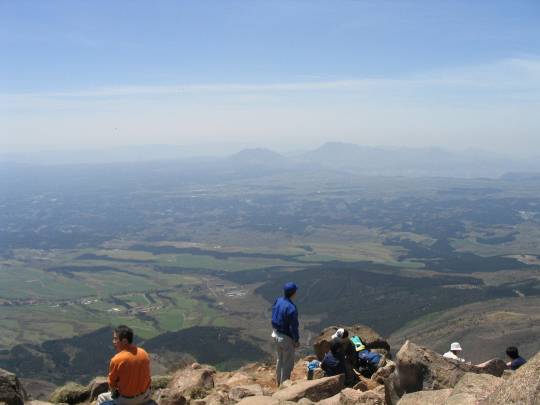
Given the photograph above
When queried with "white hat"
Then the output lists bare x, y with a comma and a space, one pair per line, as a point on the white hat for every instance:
455, 346
339, 333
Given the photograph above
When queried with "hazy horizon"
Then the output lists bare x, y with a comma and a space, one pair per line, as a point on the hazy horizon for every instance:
217, 150
282, 75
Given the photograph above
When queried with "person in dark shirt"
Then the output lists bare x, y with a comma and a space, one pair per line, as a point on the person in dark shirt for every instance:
331, 364
285, 331
347, 355
516, 361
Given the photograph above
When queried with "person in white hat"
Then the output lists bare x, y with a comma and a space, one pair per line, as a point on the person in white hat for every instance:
454, 352
339, 333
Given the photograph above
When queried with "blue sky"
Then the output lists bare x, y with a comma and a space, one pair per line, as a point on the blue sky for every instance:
286, 74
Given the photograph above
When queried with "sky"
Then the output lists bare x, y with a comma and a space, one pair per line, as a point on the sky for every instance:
288, 74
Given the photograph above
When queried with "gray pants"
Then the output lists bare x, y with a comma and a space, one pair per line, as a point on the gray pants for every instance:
285, 357
138, 400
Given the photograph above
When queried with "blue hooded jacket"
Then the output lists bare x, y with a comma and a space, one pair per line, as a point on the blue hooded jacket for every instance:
331, 365
285, 318
517, 363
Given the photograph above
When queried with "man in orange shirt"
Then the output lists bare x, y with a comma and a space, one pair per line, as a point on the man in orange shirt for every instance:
129, 371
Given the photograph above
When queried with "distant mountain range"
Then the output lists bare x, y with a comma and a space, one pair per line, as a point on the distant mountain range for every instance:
410, 162
332, 156
414, 162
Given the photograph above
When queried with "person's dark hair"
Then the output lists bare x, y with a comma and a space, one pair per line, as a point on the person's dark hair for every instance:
512, 352
124, 332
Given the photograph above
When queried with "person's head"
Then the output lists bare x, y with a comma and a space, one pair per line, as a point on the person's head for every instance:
289, 290
338, 333
512, 352
122, 337
455, 348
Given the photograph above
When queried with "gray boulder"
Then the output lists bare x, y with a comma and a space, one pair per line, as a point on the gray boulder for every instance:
98, 386
474, 388
522, 388
167, 397
392, 389
160, 381
11, 390
437, 397
37, 403
384, 372
194, 382
462, 399
351, 396
263, 400
422, 369
314, 390
243, 391
334, 400
212, 399
71, 393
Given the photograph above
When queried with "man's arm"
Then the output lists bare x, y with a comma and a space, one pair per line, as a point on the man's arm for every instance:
113, 375
293, 322
323, 365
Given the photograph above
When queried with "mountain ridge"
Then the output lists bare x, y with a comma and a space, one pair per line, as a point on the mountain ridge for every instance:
341, 156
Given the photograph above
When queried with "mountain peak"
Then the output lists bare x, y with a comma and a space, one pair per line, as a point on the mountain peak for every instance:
258, 156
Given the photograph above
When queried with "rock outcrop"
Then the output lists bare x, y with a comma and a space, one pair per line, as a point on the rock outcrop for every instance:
384, 372
471, 389
165, 396
98, 386
522, 388
423, 369
418, 377
334, 400
160, 381
474, 388
351, 396
314, 390
37, 403
11, 390
242, 391
70, 393
437, 397
263, 400
194, 382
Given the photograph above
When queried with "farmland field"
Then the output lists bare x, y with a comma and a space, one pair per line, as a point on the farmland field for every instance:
176, 254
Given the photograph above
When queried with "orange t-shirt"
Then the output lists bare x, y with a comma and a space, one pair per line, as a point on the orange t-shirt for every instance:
129, 371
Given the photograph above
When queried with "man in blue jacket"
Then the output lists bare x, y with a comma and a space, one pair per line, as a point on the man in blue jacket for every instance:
285, 334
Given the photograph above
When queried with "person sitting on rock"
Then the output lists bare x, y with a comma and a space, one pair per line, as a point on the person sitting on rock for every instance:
347, 353
368, 362
333, 361
129, 372
516, 361
454, 352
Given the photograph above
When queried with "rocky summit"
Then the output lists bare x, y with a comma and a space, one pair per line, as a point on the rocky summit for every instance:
416, 376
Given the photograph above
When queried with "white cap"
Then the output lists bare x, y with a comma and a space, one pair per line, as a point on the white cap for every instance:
339, 333
455, 346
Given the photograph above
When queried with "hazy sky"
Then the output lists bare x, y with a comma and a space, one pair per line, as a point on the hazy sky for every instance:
285, 74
